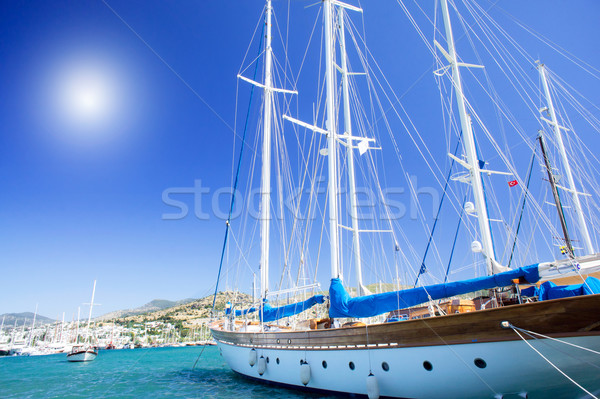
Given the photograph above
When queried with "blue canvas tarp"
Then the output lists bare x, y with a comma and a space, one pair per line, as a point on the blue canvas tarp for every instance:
342, 305
245, 311
549, 290
271, 314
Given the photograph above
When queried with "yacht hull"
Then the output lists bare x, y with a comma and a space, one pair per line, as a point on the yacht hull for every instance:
82, 356
467, 355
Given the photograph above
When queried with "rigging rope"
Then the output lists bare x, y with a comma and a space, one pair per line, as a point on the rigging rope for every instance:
237, 174
423, 268
522, 208
462, 210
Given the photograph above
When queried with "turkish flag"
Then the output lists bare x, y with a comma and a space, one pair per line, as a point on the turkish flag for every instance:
512, 183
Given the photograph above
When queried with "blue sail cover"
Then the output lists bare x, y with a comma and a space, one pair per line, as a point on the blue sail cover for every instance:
245, 311
271, 314
342, 305
549, 290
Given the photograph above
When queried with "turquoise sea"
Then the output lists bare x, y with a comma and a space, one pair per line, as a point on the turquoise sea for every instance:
133, 373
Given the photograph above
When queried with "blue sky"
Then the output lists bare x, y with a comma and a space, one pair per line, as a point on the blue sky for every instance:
81, 193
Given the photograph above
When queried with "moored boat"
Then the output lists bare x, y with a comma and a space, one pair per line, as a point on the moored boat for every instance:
82, 353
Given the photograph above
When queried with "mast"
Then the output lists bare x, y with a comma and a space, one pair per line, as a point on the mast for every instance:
559, 208
32, 325
360, 291
331, 138
265, 202
585, 235
62, 327
469, 147
77, 328
91, 307
14, 334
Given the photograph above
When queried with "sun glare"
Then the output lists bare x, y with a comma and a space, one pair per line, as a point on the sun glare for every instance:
85, 100
87, 96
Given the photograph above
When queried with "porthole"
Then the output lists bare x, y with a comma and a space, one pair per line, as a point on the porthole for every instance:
351, 365
427, 365
277, 340
324, 363
277, 360
385, 366
289, 341
480, 363
267, 359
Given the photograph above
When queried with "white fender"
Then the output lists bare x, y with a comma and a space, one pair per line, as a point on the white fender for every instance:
372, 387
262, 365
304, 373
252, 357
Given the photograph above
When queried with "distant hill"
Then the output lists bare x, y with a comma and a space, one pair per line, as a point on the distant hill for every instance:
24, 318
152, 306
186, 310
199, 311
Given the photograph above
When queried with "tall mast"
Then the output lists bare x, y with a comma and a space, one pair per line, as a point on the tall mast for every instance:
585, 235
469, 146
559, 208
360, 291
32, 325
62, 327
331, 138
14, 334
77, 328
265, 202
91, 307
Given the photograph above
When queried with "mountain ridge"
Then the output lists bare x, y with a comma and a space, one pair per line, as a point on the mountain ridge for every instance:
152, 306
24, 318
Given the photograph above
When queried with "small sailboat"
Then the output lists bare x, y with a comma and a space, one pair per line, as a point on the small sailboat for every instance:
541, 341
85, 351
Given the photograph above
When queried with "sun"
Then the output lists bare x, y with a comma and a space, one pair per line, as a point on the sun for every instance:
87, 95
86, 99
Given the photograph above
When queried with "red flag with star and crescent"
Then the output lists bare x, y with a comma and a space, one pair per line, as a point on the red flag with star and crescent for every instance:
512, 183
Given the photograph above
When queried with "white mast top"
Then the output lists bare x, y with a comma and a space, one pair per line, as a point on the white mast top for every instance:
585, 235
360, 289
265, 201
331, 138
470, 150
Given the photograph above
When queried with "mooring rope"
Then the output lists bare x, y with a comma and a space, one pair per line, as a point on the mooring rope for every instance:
555, 339
201, 352
515, 329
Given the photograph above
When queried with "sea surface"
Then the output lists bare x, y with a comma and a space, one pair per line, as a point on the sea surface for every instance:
133, 373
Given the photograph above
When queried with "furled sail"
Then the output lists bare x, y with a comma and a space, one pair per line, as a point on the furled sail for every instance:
228, 309
245, 311
271, 314
342, 305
